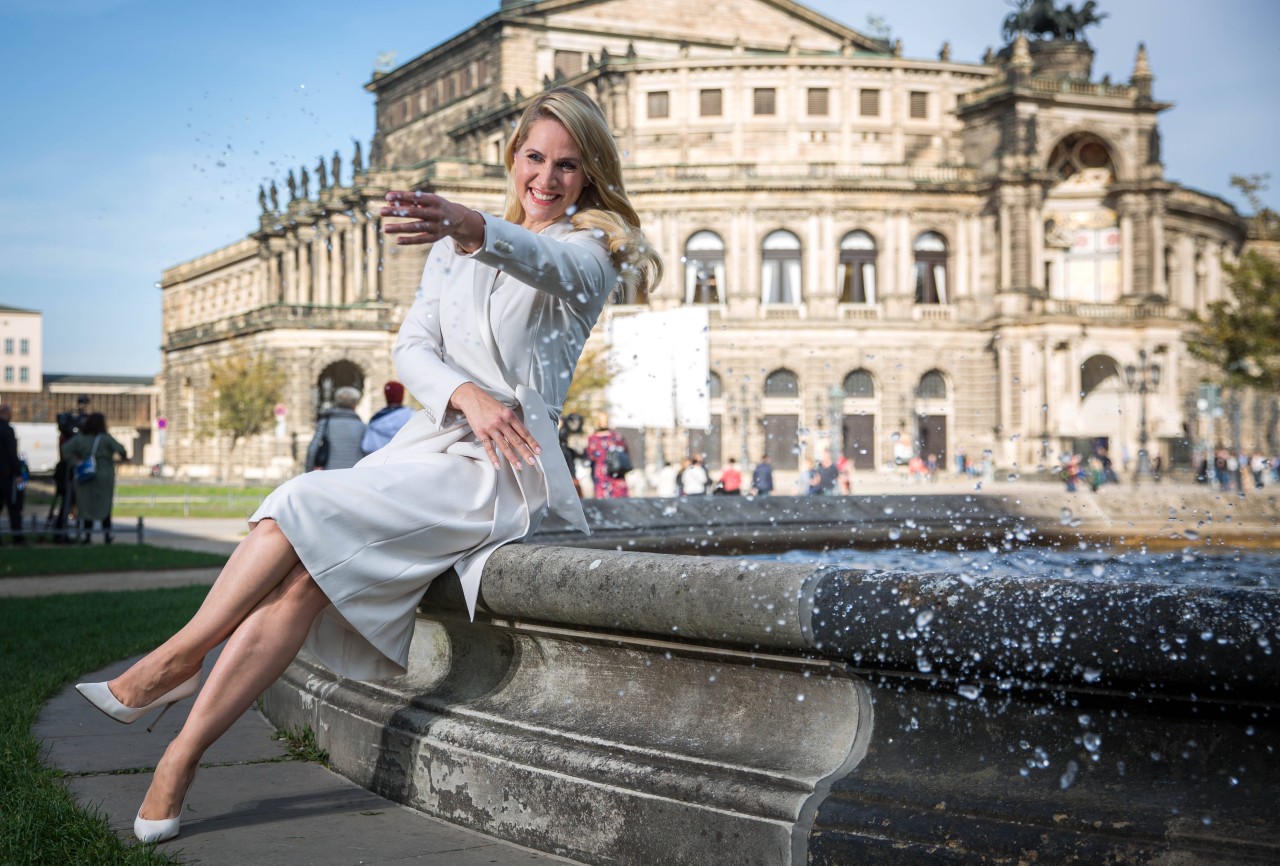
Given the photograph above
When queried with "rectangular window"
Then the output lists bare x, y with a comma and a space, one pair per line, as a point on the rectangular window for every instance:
24, 375
766, 101
869, 104
568, 63
8, 374
450, 89
711, 103
819, 102
24, 346
659, 104
919, 104
8, 345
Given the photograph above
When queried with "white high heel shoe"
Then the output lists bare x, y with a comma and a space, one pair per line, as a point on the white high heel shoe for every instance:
101, 697
164, 829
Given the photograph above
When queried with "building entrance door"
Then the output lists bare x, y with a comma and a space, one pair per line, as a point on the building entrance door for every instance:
860, 440
933, 437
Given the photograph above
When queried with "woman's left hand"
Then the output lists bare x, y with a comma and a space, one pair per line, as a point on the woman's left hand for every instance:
432, 217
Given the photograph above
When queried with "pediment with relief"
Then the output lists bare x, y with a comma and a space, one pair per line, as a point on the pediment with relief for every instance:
755, 22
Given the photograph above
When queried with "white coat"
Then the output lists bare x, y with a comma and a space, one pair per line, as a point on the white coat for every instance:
512, 318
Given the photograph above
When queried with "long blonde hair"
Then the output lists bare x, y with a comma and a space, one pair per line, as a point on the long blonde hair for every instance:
603, 205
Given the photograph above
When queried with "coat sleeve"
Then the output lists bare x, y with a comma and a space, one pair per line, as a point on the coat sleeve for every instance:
418, 354
116, 447
574, 268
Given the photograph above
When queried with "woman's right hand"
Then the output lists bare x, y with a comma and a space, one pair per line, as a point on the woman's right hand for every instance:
432, 217
496, 425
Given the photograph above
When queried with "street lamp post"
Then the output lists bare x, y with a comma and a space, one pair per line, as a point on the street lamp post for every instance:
1142, 377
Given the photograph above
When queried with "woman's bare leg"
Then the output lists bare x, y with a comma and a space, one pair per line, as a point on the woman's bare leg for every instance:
256, 654
257, 567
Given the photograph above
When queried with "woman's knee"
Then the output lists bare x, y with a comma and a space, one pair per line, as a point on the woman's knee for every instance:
300, 588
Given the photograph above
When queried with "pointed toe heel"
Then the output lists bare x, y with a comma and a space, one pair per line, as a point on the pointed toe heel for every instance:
163, 829
156, 831
101, 697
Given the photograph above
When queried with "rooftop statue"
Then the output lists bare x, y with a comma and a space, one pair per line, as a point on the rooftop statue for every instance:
1042, 19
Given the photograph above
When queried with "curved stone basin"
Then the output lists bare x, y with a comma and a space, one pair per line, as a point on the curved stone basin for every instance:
642, 708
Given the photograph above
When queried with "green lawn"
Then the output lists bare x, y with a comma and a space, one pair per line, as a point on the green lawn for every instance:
46, 643
74, 559
159, 498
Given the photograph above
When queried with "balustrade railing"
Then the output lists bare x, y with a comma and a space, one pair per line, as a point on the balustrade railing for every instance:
283, 315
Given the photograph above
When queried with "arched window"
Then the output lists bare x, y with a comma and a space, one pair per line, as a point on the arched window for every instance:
931, 269
859, 384
1082, 158
780, 269
1097, 371
337, 375
715, 388
856, 274
703, 268
932, 386
781, 383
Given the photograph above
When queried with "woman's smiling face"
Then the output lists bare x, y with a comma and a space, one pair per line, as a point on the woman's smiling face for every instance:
548, 174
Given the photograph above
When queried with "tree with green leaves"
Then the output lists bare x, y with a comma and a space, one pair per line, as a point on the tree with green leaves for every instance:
1240, 336
246, 390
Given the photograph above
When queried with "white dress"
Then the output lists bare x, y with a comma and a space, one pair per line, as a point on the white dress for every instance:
512, 318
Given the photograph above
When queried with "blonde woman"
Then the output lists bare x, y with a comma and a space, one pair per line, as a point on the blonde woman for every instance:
338, 560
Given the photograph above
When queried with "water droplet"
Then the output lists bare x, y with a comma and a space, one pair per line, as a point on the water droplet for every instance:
1092, 675
924, 665
969, 691
1068, 777
800, 697
1092, 742
924, 617
594, 565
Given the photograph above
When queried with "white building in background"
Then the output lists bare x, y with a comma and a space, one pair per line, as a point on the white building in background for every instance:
894, 254
21, 350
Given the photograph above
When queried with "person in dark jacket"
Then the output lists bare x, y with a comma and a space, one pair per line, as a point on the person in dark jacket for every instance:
343, 429
762, 477
10, 474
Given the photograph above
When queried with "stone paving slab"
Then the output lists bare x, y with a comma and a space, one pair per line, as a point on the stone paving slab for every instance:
248, 805
293, 814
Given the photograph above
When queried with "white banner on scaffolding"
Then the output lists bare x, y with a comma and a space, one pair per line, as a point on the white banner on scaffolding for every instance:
660, 369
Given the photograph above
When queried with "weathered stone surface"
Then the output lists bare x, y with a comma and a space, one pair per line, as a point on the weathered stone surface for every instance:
635, 708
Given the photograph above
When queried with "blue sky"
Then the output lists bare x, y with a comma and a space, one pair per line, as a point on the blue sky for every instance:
137, 131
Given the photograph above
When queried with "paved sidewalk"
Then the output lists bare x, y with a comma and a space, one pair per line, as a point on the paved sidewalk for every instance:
250, 806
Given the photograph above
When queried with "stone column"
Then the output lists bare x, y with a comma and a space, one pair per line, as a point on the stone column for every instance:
373, 261
1186, 289
1158, 286
1006, 246
289, 260
816, 281
905, 286
320, 248
1035, 231
1004, 416
1126, 252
